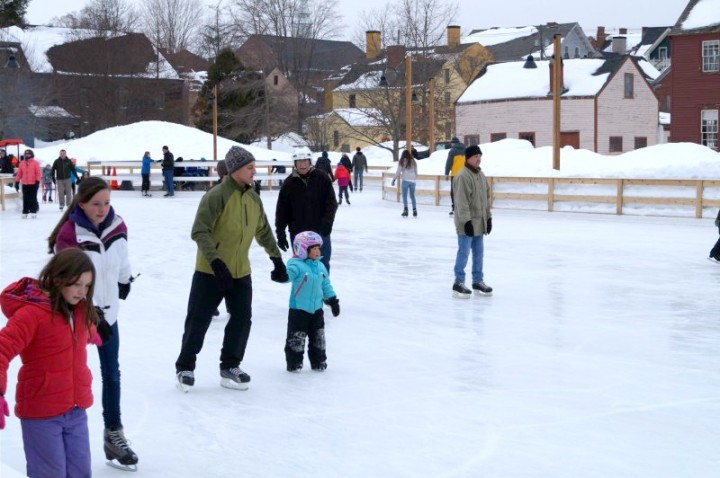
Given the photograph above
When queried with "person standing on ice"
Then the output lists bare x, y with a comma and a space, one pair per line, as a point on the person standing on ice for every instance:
310, 286
407, 172
145, 173
90, 224
229, 216
715, 251
62, 170
472, 221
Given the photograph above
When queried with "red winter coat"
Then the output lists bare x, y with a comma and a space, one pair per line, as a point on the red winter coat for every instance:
342, 175
28, 172
54, 376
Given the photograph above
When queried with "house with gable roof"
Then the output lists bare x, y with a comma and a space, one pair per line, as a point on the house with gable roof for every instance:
70, 82
607, 106
695, 74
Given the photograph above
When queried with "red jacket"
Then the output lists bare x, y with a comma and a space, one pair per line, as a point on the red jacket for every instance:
28, 172
54, 376
342, 175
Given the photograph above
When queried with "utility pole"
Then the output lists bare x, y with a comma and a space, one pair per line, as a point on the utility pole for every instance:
557, 91
408, 103
431, 115
215, 126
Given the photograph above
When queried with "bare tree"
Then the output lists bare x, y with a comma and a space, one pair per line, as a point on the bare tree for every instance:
217, 33
101, 18
171, 24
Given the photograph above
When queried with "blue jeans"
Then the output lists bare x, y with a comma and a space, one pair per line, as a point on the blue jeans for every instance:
110, 372
57, 446
168, 176
358, 178
465, 244
408, 185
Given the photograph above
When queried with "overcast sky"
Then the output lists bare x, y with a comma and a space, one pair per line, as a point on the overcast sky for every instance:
474, 14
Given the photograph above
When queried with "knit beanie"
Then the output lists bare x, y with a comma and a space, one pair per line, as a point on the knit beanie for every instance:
236, 158
471, 151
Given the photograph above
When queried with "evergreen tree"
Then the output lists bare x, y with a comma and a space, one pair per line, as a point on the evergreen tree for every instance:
12, 12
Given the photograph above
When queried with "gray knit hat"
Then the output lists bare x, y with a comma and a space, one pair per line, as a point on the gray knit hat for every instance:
236, 158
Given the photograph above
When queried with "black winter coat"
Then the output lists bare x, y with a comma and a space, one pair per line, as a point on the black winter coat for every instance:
168, 161
306, 204
323, 164
63, 168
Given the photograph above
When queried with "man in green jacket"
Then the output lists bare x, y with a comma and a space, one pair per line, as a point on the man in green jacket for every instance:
228, 218
472, 221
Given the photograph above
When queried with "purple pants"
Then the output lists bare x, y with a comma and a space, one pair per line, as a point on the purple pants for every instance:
57, 447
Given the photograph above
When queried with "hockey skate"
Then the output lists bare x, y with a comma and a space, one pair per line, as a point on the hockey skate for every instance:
460, 291
234, 378
716, 260
118, 451
185, 380
480, 288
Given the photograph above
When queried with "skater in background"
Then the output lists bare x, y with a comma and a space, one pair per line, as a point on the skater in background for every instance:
79, 175
345, 161
50, 322
145, 174
407, 172
306, 202
715, 251
29, 176
279, 170
310, 286
228, 218
168, 171
359, 167
455, 162
6, 165
47, 184
91, 224
62, 169
323, 164
472, 221
343, 179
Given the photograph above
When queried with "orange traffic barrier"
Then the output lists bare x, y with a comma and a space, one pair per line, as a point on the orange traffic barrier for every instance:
114, 184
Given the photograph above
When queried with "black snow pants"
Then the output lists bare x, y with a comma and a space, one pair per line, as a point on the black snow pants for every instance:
302, 325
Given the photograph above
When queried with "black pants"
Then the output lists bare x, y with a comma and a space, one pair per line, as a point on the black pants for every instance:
145, 187
204, 299
30, 202
452, 194
344, 189
715, 251
302, 325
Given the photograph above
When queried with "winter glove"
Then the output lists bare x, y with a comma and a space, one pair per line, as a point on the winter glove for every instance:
392, 183
325, 229
334, 304
282, 241
103, 328
222, 275
489, 225
4, 411
469, 231
124, 290
279, 274
17, 186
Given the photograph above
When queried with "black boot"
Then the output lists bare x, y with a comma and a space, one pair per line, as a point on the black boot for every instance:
414, 212
405, 212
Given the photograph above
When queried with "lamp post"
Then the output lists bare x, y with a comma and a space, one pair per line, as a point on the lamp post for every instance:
557, 92
214, 114
431, 115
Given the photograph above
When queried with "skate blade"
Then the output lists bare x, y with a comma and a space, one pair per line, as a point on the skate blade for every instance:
479, 292
712, 259
183, 388
233, 385
458, 295
119, 466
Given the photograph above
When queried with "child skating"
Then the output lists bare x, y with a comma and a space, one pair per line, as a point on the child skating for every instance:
310, 286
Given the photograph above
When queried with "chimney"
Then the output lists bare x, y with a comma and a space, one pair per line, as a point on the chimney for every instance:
619, 44
453, 35
372, 44
395, 56
623, 31
600, 37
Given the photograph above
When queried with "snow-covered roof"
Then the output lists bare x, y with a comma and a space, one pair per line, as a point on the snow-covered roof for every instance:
36, 41
49, 112
494, 36
705, 13
511, 80
359, 117
366, 81
648, 68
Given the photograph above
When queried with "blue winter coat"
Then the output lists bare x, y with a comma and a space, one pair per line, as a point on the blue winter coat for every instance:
146, 163
310, 284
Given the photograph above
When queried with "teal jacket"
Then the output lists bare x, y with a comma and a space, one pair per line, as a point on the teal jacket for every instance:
310, 284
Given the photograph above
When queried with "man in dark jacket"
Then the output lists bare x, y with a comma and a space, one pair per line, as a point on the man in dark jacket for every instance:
62, 169
168, 171
6, 166
323, 164
453, 165
306, 202
359, 164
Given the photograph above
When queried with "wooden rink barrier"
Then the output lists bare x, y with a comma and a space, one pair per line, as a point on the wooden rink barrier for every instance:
6, 192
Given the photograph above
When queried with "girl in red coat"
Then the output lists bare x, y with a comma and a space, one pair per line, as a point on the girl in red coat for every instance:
343, 178
50, 322
29, 176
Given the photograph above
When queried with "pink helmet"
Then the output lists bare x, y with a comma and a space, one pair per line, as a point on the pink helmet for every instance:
303, 241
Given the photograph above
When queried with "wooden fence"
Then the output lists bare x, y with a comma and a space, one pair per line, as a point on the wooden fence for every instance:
607, 196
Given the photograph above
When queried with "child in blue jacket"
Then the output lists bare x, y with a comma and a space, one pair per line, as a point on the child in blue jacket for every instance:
310, 287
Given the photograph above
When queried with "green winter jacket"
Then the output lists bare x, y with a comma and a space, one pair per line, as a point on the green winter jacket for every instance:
229, 216
472, 200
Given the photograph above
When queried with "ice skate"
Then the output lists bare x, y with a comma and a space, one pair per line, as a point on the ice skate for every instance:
414, 212
321, 367
234, 378
460, 291
480, 288
404, 213
118, 451
185, 379
716, 260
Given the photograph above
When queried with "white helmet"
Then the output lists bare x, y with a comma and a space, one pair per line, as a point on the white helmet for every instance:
301, 154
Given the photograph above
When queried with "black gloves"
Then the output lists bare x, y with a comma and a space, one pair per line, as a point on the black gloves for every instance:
102, 326
489, 225
222, 275
282, 241
279, 274
17, 186
124, 290
334, 304
325, 229
469, 231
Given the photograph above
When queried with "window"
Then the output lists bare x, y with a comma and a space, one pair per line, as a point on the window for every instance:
275, 80
709, 128
447, 75
336, 138
352, 101
711, 55
566, 53
577, 52
662, 53
640, 142
629, 85
472, 139
528, 136
497, 136
448, 103
616, 145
